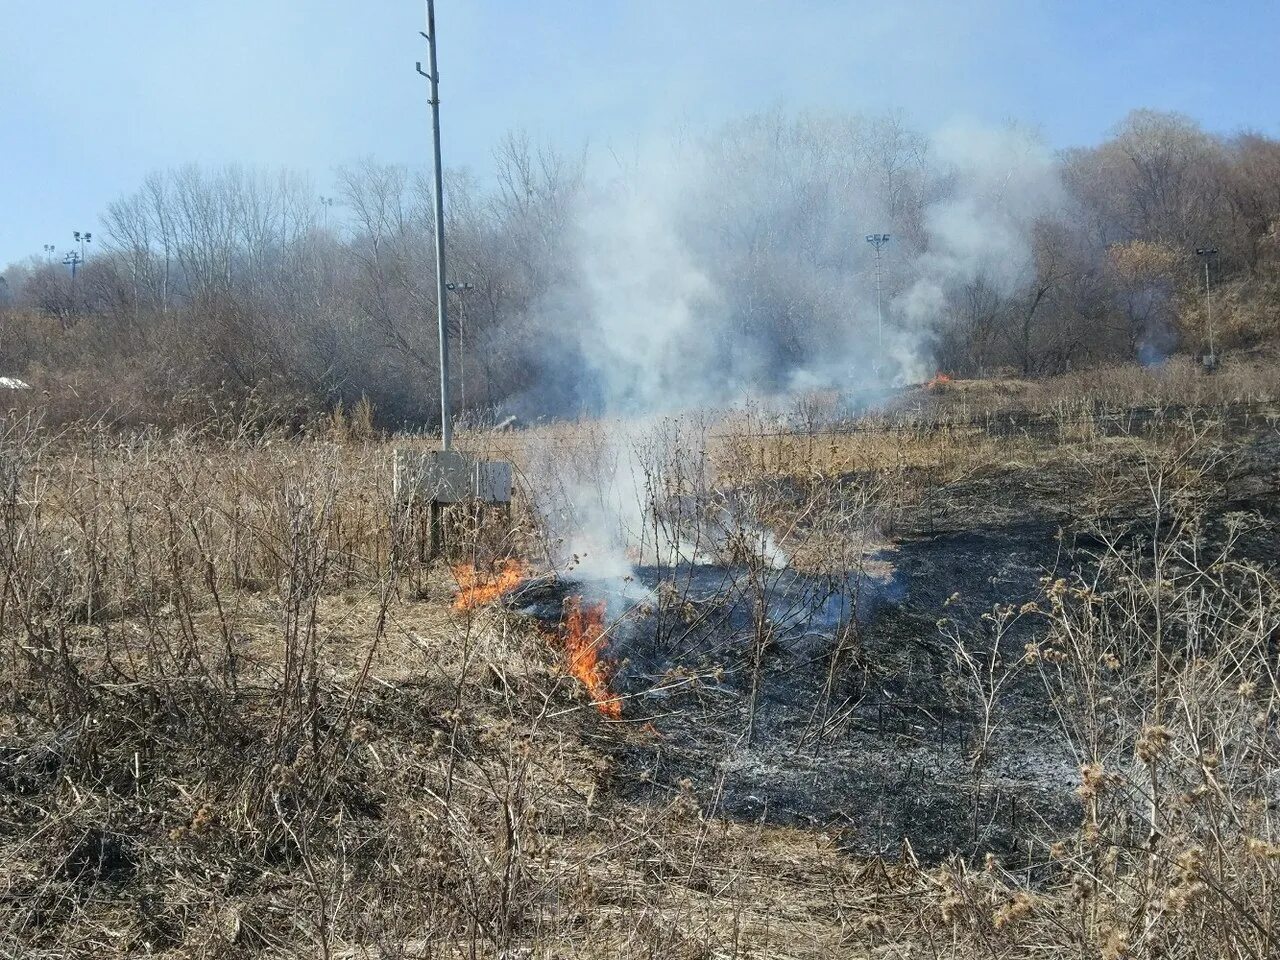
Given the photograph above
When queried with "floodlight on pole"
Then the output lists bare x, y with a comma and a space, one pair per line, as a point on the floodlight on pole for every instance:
83, 237
878, 240
1207, 254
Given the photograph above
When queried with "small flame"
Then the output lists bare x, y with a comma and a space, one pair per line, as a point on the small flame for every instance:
939, 381
581, 633
476, 587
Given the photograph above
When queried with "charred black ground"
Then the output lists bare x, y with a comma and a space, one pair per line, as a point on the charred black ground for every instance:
858, 724
862, 722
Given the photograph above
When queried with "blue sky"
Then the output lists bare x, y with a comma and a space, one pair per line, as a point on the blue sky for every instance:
93, 95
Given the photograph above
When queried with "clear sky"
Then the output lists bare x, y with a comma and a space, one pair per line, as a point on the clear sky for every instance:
93, 95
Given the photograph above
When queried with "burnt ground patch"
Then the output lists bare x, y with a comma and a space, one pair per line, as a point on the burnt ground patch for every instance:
97, 855
851, 714
846, 712
879, 746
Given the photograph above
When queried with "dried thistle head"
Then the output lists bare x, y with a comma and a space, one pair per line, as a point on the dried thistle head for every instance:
951, 907
1153, 743
204, 819
1188, 883
1081, 888
1262, 849
1093, 780
1190, 864
1020, 906
1182, 895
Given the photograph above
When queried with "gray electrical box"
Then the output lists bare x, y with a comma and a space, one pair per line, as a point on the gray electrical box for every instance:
439, 476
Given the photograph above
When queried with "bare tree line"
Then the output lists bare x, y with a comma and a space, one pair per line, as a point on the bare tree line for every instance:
1003, 261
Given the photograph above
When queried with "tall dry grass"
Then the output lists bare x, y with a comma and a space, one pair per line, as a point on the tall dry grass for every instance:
241, 718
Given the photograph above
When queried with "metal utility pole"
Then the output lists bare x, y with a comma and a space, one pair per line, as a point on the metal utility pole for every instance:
462, 289
82, 239
73, 260
1208, 253
433, 74
878, 240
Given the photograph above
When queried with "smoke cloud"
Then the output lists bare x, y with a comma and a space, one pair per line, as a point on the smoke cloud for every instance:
1001, 182
733, 263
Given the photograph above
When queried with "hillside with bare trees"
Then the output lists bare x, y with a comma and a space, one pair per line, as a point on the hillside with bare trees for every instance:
728, 259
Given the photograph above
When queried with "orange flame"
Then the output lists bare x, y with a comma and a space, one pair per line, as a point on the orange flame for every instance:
581, 633
476, 587
939, 380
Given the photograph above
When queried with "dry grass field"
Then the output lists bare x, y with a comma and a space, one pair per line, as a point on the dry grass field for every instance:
241, 715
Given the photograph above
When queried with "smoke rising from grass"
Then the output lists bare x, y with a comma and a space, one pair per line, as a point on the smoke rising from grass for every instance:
729, 264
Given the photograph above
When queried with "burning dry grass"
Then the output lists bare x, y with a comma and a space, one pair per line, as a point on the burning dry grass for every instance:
581, 634
477, 587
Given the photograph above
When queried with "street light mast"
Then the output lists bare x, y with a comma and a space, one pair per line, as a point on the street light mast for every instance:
1207, 254
878, 240
82, 239
462, 289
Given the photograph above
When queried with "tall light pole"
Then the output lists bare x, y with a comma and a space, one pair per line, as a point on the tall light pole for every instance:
462, 289
326, 204
49, 249
432, 73
1207, 254
73, 260
878, 240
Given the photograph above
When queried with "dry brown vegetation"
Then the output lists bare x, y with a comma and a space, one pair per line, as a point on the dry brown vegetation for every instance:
242, 718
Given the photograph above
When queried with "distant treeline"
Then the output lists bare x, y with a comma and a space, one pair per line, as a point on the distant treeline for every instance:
739, 259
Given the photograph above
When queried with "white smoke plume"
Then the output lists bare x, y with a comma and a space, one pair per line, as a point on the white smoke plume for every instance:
1002, 180
733, 265
647, 293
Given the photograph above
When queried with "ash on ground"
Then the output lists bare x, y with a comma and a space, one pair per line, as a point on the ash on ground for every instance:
836, 703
